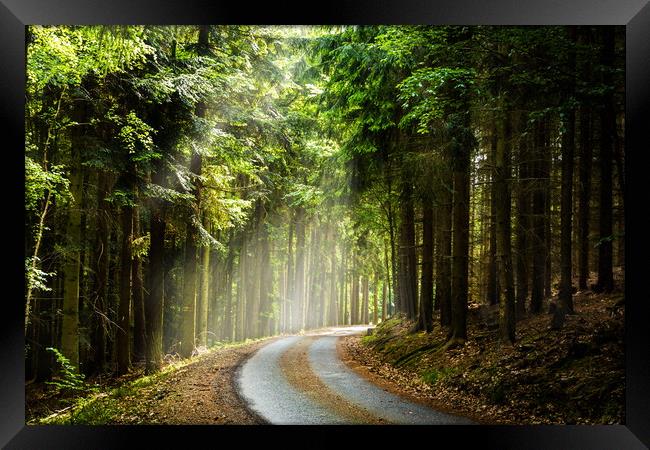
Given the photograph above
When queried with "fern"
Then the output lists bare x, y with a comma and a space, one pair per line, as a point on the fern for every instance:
69, 378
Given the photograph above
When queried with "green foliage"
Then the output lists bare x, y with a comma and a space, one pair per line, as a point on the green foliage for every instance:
429, 93
140, 246
63, 55
37, 279
433, 375
40, 182
304, 195
134, 136
68, 379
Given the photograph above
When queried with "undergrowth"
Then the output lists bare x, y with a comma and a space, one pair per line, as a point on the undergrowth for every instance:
93, 405
573, 376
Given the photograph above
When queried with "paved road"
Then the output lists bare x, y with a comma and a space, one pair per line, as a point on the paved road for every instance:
301, 380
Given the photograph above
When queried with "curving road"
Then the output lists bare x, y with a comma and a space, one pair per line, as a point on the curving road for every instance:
301, 380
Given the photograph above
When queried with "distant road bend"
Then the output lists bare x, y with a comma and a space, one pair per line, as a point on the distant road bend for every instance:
301, 380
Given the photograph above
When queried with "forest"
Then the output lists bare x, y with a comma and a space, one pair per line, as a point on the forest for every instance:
187, 186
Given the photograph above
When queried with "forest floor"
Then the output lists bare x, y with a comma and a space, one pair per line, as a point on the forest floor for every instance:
575, 375
196, 391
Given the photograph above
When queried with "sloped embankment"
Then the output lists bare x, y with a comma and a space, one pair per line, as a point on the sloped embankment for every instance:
195, 391
572, 376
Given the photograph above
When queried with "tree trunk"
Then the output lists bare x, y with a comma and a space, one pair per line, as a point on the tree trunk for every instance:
605, 281
313, 271
522, 230
101, 258
443, 271
584, 194
408, 258
253, 279
354, 295
290, 294
502, 175
300, 270
394, 287
188, 324
202, 337
539, 226
153, 308
124, 311
188, 328
343, 303
492, 278
266, 281
386, 306
565, 295
384, 299
71, 268
425, 322
139, 341
375, 299
460, 246
333, 319
241, 288
366, 300
227, 322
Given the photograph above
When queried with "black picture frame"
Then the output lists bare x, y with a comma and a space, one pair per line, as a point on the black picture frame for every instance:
634, 14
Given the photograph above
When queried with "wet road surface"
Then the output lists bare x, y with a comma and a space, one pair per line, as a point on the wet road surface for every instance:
301, 380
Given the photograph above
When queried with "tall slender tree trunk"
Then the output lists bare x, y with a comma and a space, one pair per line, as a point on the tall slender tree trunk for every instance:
366, 299
565, 295
502, 175
124, 310
188, 311
139, 341
314, 271
584, 195
253, 279
408, 258
241, 288
539, 226
71, 267
460, 150
548, 211
384, 299
443, 271
332, 316
227, 322
460, 244
354, 295
343, 302
101, 258
426, 294
375, 299
300, 270
492, 278
394, 287
216, 294
412, 273
266, 281
386, 308
188, 327
290, 294
202, 328
153, 307
605, 281
522, 230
